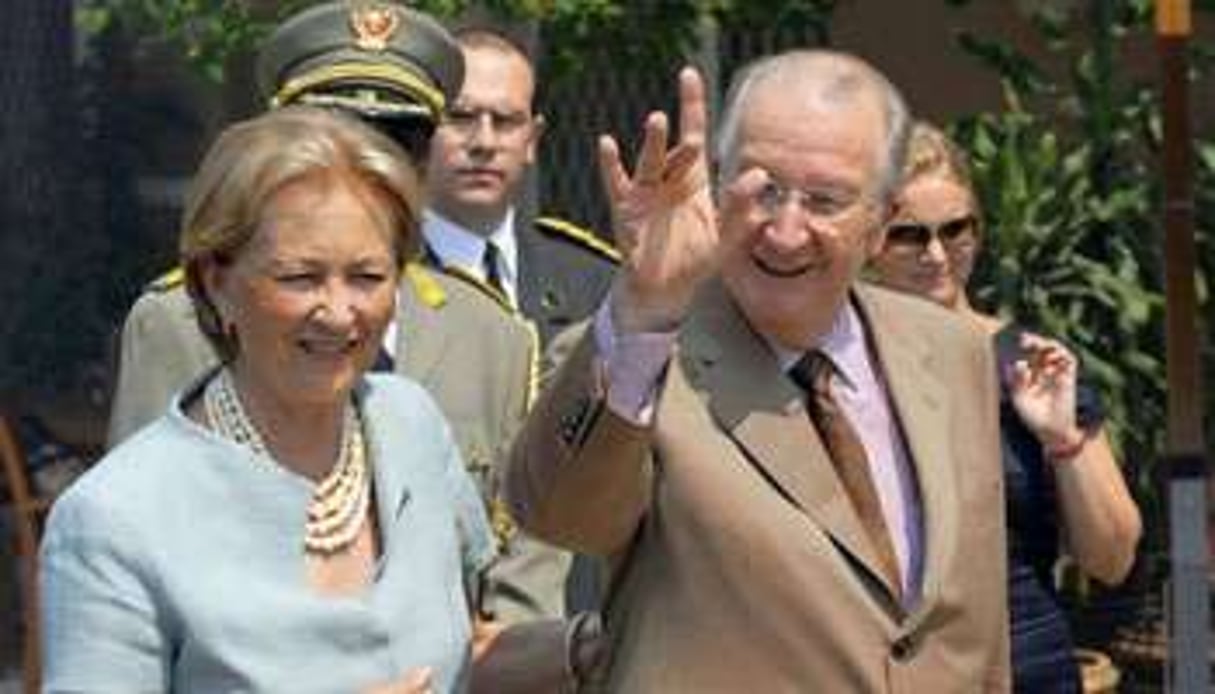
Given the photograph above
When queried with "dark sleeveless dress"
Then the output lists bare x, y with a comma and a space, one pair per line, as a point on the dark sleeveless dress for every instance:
1042, 658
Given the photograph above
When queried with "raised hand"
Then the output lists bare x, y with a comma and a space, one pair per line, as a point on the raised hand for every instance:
1043, 387
663, 216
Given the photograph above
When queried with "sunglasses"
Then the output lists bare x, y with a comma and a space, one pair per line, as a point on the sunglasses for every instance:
917, 235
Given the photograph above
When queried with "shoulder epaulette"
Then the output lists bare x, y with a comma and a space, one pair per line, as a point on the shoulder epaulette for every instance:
480, 285
429, 291
170, 280
581, 236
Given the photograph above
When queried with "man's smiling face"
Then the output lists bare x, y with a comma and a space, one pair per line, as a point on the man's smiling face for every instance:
819, 218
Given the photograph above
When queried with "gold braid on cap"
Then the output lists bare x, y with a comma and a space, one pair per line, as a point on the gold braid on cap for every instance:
431, 98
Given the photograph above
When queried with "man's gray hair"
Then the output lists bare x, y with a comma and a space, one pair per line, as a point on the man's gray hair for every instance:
829, 77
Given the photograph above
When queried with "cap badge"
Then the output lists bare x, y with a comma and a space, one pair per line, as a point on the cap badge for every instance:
373, 26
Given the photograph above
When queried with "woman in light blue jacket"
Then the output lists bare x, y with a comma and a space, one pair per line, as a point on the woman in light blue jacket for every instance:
292, 523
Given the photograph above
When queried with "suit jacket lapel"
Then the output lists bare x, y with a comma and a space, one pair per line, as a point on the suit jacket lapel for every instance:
764, 413
920, 400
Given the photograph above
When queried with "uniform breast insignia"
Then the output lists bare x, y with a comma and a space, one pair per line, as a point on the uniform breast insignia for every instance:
579, 236
429, 291
550, 299
373, 25
170, 280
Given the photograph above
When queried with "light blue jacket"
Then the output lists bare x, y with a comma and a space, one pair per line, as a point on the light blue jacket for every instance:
177, 564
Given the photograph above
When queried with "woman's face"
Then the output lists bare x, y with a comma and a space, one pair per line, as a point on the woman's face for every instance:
931, 242
311, 294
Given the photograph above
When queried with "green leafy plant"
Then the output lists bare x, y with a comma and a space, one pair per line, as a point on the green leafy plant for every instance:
1069, 178
211, 31
1062, 257
208, 31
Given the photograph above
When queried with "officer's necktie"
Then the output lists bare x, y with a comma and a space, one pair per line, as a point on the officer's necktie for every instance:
493, 272
813, 374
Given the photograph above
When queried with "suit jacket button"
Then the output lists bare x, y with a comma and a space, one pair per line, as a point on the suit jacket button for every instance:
569, 428
570, 424
903, 647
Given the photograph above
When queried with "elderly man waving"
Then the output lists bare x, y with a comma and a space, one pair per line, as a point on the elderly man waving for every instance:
795, 475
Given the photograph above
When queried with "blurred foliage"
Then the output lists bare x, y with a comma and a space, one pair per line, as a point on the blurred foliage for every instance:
1068, 172
1069, 178
100, 42
661, 31
211, 31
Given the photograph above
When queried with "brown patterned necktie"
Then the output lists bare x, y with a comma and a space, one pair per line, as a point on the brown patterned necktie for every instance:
813, 374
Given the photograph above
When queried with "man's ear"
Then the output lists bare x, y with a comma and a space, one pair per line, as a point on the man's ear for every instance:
538, 125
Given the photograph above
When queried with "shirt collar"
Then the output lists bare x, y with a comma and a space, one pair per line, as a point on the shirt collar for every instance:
458, 246
844, 343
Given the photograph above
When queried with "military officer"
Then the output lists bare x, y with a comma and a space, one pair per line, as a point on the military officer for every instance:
398, 69
551, 270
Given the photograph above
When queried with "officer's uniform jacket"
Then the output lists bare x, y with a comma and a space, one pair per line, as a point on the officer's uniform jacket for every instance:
563, 272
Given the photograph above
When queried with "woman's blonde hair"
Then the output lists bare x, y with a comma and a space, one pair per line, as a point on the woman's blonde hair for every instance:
930, 152
254, 159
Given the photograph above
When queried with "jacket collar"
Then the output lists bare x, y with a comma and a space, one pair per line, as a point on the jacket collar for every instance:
737, 375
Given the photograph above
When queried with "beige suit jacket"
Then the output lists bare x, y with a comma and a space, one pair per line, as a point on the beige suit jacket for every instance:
739, 564
474, 357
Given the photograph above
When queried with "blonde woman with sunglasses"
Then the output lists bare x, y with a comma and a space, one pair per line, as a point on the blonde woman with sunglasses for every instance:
1064, 490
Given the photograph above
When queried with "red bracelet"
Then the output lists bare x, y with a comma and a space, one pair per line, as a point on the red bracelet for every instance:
1067, 452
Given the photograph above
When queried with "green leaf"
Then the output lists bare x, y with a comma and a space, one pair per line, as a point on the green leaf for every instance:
1019, 71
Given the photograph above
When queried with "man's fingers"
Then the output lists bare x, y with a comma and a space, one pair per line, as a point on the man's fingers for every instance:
684, 174
615, 180
693, 114
737, 205
680, 159
650, 162
744, 188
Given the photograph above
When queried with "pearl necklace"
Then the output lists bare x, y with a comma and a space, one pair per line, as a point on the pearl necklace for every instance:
340, 501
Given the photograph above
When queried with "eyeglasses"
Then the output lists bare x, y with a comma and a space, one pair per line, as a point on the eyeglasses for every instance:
819, 203
466, 120
915, 235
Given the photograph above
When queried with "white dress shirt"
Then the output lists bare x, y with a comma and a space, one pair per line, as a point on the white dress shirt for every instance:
463, 248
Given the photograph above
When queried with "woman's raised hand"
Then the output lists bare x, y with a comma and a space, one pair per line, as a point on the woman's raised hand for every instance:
1043, 388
